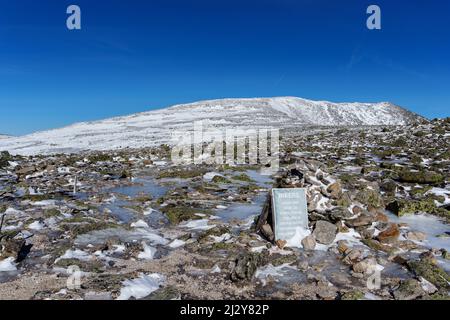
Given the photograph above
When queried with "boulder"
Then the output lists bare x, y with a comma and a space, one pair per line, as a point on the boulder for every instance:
409, 289
309, 243
245, 267
390, 234
363, 220
420, 177
324, 232
370, 197
335, 190
365, 266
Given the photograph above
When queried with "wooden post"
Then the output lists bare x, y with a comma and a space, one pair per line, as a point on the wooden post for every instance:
75, 184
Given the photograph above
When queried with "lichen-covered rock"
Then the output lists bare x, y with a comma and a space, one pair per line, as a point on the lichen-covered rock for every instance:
401, 206
421, 177
408, 290
370, 197
245, 266
430, 271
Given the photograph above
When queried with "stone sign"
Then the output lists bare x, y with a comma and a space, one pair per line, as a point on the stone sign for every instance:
289, 211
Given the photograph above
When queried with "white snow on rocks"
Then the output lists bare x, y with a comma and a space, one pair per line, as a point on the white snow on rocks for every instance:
7, 265
141, 287
148, 253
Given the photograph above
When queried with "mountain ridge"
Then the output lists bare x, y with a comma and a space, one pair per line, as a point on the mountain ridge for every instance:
154, 127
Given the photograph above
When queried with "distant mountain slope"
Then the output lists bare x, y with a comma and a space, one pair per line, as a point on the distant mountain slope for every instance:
155, 127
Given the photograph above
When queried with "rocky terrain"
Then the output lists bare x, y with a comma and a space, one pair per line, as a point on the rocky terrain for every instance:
138, 227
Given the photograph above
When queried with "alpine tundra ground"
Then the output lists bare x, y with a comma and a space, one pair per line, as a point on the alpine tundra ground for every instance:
138, 227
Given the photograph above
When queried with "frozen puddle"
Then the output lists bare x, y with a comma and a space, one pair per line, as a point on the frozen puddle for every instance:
284, 272
140, 185
432, 226
242, 211
124, 236
436, 230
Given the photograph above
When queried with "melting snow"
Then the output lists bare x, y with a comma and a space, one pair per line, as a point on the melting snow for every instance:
141, 287
7, 265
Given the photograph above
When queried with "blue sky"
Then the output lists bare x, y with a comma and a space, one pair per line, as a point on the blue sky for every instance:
135, 55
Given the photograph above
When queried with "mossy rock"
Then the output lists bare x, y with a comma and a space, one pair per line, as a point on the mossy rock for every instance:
5, 157
165, 293
278, 260
220, 179
180, 213
401, 207
344, 200
421, 177
251, 187
347, 178
440, 295
431, 272
415, 192
38, 197
143, 198
353, 295
376, 245
225, 246
100, 157
51, 212
370, 197
216, 231
243, 177
134, 208
87, 266
181, 173
81, 226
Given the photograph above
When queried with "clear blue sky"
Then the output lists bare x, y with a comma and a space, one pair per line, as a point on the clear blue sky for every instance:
137, 55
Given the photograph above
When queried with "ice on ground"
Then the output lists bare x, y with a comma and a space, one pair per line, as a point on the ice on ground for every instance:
75, 254
37, 225
270, 270
351, 237
176, 243
222, 238
14, 212
139, 224
210, 175
440, 192
122, 235
154, 238
8, 265
148, 253
201, 224
216, 269
141, 287
44, 203
432, 226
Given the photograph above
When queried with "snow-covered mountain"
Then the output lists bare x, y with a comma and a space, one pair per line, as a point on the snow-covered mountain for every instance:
4, 136
155, 127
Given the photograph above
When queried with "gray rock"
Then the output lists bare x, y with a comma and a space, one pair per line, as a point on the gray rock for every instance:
324, 232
